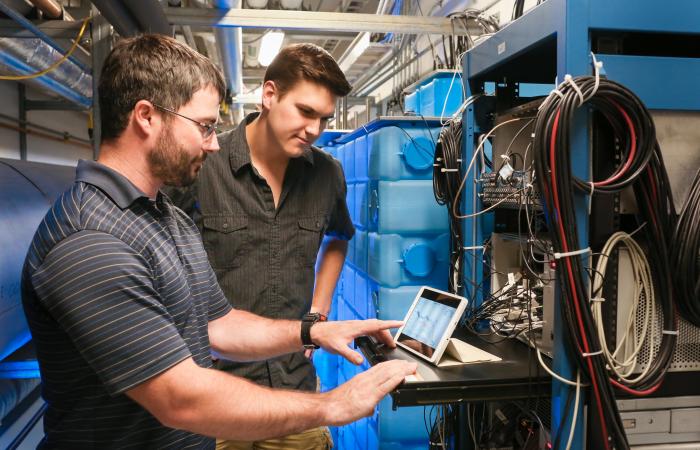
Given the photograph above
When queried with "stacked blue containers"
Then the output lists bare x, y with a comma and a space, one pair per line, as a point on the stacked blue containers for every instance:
400, 244
437, 95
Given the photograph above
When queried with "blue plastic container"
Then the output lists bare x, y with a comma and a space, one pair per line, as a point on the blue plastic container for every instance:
348, 275
411, 102
350, 201
360, 250
361, 163
327, 369
403, 429
360, 205
405, 207
441, 97
402, 153
395, 260
361, 301
349, 161
392, 303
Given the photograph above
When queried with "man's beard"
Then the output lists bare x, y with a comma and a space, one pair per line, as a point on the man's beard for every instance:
171, 163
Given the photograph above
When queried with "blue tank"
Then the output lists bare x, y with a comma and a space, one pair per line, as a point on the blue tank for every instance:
402, 153
441, 97
27, 190
395, 260
405, 207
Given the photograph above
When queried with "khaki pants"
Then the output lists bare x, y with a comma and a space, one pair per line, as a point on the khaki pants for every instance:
315, 439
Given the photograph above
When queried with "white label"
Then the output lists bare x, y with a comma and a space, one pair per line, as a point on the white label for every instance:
511, 278
501, 47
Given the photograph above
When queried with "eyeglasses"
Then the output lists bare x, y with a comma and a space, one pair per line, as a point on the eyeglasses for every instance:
207, 128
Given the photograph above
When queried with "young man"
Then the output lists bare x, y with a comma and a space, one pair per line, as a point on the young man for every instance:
264, 205
123, 305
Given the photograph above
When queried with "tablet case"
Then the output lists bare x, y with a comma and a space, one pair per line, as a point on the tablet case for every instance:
459, 352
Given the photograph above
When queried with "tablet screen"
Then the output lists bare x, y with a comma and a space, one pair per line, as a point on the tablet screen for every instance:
427, 323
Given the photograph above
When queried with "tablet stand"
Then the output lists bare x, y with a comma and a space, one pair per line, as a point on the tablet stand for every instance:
459, 352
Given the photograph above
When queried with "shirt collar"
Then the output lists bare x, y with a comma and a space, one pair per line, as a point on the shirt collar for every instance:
122, 191
239, 152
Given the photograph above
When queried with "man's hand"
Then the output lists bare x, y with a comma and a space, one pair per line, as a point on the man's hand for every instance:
358, 397
335, 337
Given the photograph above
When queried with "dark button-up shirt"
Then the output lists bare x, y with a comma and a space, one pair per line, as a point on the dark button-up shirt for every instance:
264, 256
117, 289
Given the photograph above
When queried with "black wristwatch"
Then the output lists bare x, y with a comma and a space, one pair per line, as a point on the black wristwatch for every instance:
306, 322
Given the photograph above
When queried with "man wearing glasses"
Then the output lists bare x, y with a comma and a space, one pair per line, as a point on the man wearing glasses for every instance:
265, 204
124, 308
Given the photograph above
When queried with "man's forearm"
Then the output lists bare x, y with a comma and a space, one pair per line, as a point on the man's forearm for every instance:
217, 404
332, 259
243, 336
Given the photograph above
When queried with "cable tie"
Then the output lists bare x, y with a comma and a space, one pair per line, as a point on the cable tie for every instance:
475, 247
436, 165
598, 299
558, 255
569, 79
449, 170
597, 65
671, 332
592, 189
586, 355
505, 157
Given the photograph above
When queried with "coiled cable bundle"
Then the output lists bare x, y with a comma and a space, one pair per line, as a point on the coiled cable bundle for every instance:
685, 257
640, 165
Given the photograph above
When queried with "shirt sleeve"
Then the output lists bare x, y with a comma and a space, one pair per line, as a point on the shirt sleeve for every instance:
101, 293
340, 224
219, 306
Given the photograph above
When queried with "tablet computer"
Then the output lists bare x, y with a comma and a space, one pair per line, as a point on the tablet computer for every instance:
429, 323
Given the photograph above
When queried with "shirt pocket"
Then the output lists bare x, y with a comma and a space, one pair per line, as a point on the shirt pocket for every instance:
225, 239
309, 235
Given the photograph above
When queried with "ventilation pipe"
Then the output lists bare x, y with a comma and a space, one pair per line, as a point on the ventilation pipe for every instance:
230, 40
70, 80
27, 56
130, 17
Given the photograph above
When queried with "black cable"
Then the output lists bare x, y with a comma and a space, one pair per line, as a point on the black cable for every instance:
685, 250
641, 166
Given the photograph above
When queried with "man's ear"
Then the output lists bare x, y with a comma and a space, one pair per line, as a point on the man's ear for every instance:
269, 93
143, 118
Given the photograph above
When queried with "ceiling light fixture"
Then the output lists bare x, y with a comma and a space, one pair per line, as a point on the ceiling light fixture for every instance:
270, 46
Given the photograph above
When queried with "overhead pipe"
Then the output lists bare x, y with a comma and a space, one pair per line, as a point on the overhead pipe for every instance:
17, 17
49, 8
150, 16
230, 41
118, 16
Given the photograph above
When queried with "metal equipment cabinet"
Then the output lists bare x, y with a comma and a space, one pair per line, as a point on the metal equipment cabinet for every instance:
659, 61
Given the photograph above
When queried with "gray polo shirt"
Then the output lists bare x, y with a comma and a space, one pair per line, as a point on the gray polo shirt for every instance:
117, 289
264, 256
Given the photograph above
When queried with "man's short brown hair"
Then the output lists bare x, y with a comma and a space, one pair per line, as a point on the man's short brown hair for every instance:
306, 62
151, 67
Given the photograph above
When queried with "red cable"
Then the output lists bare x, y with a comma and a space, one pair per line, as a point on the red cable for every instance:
629, 390
555, 193
633, 150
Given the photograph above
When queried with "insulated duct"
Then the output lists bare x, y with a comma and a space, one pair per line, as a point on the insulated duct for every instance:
27, 56
27, 190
